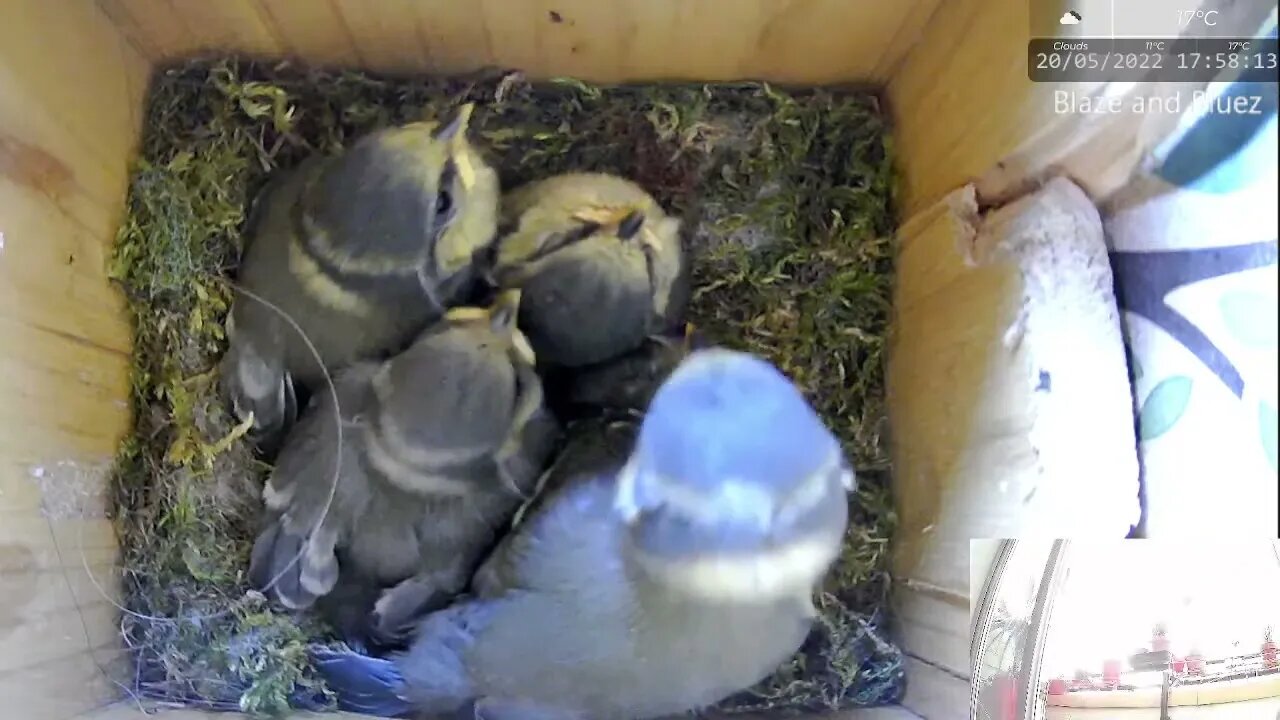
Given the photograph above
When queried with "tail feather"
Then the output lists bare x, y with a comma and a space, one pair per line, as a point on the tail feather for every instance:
362, 684
276, 569
318, 571
260, 565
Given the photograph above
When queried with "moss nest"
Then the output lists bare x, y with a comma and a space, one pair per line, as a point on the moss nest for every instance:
789, 195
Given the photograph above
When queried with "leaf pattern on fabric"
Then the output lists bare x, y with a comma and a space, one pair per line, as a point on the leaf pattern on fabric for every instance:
1164, 406
1250, 317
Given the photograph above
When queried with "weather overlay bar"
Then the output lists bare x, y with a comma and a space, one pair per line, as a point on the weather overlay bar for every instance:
1151, 59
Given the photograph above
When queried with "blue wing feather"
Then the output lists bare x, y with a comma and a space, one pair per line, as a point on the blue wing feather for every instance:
362, 684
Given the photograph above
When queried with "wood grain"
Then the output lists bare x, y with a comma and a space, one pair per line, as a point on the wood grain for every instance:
313, 30
71, 88
388, 39
239, 25
934, 629
934, 694
65, 687
154, 28
793, 41
456, 35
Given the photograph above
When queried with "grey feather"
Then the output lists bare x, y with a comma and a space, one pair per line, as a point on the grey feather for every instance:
341, 246
562, 622
600, 295
622, 595
423, 486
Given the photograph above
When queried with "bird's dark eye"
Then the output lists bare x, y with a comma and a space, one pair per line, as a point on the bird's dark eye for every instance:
444, 202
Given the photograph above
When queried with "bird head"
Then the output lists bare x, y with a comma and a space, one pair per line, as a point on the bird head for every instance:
457, 393
542, 235
414, 199
497, 320
735, 490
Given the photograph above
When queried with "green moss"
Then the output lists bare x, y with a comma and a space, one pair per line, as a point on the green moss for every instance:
789, 199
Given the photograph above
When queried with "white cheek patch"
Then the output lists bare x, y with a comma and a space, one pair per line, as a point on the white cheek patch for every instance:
732, 500
790, 570
818, 488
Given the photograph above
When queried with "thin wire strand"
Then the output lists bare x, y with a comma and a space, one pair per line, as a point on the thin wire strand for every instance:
324, 514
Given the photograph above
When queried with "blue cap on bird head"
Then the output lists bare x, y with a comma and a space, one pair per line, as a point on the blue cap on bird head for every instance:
735, 488
727, 415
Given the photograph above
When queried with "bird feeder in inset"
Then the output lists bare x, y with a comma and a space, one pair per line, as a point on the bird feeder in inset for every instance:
1111, 674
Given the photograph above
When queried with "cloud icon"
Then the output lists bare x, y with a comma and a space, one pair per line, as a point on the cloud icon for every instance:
1070, 18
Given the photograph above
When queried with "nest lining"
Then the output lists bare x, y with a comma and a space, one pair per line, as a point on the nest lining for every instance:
789, 196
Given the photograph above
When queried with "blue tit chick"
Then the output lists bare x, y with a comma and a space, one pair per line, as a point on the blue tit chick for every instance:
600, 263
362, 251
439, 446
682, 575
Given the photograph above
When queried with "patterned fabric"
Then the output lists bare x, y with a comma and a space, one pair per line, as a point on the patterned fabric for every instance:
1194, 255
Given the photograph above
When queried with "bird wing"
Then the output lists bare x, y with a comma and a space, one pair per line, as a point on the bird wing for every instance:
559, 594
564, 518
531, 437
309, 495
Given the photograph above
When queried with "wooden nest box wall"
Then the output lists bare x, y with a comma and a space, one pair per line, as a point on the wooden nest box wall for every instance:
998, 266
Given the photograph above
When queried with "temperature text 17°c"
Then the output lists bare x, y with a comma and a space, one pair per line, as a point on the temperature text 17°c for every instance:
1199, 17
1231, 46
